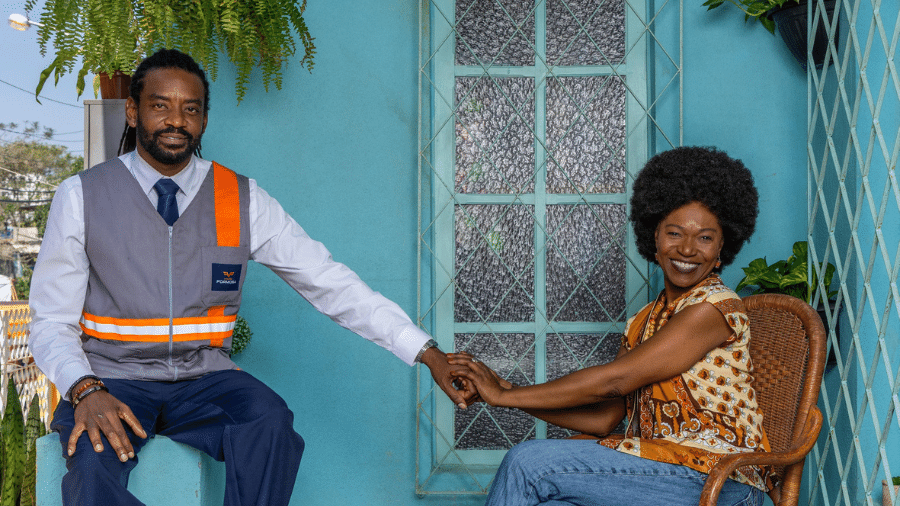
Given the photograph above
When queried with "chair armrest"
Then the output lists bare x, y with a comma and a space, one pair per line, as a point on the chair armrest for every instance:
798, 451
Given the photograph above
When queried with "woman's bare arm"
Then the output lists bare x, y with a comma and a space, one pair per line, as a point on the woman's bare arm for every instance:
596, 419
682, 342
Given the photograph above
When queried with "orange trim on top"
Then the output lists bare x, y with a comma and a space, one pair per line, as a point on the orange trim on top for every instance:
216, 311
217, 340
228, 208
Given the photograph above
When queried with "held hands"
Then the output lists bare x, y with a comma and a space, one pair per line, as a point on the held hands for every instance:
446, 376
487, 383
98, 412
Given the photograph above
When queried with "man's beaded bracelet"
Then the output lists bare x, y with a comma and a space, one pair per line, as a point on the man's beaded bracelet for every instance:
87, 384
84, 392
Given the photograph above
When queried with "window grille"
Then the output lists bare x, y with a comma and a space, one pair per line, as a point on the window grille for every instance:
534, 118
854, 222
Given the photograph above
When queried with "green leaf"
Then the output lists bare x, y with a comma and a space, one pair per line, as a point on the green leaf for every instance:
801, 249
12, 427
793, 278
768, 23
753, 273
79, 83
44, 75
34, 428
241, 336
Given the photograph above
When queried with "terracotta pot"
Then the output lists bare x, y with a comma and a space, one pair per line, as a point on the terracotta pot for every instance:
115, 86
886, 494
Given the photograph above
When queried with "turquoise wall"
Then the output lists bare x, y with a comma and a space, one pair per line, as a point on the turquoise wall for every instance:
338, 147
745, 93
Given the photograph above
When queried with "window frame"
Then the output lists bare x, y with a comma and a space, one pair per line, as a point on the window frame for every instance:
438, 74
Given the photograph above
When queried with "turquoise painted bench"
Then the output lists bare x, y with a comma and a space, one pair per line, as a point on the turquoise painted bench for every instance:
168, 473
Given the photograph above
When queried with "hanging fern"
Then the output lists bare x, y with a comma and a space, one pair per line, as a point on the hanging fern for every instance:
111, 35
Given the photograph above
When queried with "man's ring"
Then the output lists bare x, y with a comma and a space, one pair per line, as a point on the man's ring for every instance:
474, 359
100, 415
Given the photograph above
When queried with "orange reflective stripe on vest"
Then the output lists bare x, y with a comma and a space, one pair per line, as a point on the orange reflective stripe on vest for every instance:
156, 330
228, 209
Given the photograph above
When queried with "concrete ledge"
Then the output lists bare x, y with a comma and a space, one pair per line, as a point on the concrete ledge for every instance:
167, 473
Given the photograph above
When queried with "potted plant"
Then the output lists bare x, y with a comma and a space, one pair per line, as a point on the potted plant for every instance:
754, 9
885, 491
791, 277
241, 336
791, 18
112, 36
786, 276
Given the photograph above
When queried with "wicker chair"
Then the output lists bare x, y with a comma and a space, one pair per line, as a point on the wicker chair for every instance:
788, 353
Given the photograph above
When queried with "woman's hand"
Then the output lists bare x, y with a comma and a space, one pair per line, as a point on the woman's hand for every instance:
489, 384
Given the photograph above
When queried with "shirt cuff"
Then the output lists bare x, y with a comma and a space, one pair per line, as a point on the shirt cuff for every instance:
69, 378
409, 343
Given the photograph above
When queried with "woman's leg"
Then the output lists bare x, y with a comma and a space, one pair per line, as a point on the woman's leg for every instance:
586, 473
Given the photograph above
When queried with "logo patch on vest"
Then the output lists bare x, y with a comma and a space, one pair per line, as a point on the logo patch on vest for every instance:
226, 277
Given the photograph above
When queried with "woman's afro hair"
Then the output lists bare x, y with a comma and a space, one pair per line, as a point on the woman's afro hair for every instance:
694, 174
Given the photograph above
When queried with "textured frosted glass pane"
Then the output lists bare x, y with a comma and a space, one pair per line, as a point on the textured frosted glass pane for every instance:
494, 263
585, 32
486, 31
586, 135
494, 143
586, 263
512, 357
569, 352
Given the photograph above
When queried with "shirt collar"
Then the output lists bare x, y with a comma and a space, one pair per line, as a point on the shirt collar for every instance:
147, 176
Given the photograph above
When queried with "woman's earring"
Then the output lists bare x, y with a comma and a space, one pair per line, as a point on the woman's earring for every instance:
718, 263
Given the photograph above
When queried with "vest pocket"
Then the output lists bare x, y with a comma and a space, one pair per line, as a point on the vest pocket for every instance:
224, 269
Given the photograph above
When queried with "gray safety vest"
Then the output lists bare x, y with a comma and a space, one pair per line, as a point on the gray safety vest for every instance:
161, 301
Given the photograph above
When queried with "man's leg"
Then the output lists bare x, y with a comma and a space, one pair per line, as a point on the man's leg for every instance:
101, 478
234, 417
579, 472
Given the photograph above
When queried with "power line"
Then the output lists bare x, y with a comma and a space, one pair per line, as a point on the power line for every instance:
38, 180
15, 190
29, 202
40, 96
41, 137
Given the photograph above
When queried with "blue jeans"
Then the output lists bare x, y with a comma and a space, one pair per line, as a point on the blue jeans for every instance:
230, 415
582, 472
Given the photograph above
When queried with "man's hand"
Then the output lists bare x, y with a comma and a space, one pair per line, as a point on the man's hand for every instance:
441, 370
98, 412
489, 385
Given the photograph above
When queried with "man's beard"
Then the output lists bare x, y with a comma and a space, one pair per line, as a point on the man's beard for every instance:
150, 143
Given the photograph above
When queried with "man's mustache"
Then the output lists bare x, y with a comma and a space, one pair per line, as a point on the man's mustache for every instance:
173, 130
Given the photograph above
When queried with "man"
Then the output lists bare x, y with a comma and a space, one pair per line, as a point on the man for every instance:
136, 291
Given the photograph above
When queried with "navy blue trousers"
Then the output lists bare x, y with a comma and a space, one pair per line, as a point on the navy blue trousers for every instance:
230, 415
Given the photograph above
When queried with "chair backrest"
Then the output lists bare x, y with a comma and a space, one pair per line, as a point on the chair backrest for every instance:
788, 353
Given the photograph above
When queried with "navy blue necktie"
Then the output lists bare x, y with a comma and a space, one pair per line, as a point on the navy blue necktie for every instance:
167, 206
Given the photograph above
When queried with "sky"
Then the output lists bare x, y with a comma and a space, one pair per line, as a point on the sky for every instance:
20, 66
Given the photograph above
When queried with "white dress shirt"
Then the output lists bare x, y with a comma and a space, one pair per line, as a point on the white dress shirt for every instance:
60, 278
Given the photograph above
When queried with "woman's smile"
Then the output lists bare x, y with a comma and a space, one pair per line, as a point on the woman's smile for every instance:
688, 242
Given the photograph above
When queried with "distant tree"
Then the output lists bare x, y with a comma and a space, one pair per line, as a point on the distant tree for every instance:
30, 170
31, 167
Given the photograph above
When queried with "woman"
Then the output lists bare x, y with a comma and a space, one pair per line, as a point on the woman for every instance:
682, 375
